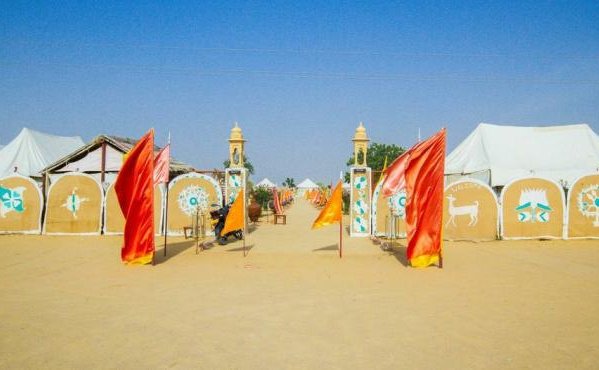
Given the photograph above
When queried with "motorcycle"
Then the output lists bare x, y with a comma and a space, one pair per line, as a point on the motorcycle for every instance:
218, 220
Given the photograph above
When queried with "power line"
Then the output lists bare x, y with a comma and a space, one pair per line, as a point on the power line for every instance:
300, 51
310, 75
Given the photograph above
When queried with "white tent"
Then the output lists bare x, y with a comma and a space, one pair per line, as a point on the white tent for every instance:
266, 183
307, 184
31, 151
498, 154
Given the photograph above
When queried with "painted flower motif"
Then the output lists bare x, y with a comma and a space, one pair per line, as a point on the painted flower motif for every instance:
397, 204
234, 181
359, 224
11, 200
73, 202
360, 182
588, 203
191, 199
360, 207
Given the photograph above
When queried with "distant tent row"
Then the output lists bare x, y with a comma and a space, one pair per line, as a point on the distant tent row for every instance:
305, 186
266, 183
77, 205
528, 208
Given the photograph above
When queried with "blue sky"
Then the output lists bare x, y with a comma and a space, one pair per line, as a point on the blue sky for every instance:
297, 76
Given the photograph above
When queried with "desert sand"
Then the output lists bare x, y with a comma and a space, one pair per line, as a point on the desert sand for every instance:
292, 303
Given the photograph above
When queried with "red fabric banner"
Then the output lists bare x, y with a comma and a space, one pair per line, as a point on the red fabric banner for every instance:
424, 172
161, 165
420, 172
134, 188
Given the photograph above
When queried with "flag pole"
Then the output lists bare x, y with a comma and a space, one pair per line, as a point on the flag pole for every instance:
166, 203
341, 236
165, 219
341, 219
244, 217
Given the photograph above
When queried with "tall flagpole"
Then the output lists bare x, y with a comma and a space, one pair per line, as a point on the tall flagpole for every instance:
166, 203
341, 220
244, 216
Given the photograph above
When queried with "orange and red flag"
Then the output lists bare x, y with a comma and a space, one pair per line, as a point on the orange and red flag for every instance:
236, 217
332, 211
420, 170
134, 188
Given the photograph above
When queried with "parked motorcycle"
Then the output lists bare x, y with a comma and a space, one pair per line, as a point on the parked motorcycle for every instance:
218, 219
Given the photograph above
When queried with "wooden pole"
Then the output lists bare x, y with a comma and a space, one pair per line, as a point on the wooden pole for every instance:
244, 217
165, 219
441, 259
341, 237
103, 164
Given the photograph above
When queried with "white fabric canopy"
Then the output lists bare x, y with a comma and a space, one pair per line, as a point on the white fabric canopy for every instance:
307, 184
266, 183
498, 154
31, 151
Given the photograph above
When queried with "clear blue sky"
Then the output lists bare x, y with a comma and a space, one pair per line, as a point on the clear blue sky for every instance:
298, 76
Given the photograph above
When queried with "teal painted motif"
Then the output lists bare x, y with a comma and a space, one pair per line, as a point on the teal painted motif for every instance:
533, 206
588, 203
11, 200
73, 202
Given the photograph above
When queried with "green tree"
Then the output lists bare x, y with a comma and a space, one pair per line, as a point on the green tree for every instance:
246, 163
262, 196
375, 158
289, 182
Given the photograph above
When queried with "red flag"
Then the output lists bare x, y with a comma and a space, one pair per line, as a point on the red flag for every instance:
135, 191
420, 170
161, 165
395, 175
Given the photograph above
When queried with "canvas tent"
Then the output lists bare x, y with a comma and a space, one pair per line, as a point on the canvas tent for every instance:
31, 151
102, 158
306, 185
498, 154
266, 183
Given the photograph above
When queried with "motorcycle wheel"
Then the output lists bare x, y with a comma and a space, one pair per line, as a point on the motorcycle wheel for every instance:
238, 235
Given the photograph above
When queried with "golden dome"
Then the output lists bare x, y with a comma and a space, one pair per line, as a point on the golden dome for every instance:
236, 134
360, 133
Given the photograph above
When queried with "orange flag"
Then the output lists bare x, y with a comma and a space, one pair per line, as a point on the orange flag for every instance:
424, 170
134, 188
236, 216
332, 211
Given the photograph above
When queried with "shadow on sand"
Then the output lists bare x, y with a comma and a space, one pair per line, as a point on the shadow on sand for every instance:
397, 250
332, 247
172, 249
240, 249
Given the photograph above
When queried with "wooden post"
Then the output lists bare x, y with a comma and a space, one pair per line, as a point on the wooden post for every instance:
166, 219
103, 169
341, 237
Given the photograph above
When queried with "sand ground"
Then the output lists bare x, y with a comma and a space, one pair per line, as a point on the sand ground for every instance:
67, 302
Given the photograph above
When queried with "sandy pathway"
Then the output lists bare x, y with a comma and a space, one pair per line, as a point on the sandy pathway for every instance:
67, 302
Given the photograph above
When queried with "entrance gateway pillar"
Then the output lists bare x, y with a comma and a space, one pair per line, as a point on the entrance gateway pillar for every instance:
360, 186
235, 175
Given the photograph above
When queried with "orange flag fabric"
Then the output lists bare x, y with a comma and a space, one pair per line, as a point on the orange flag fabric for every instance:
134, 188
421, 169
236, 216
161, 165
332, 211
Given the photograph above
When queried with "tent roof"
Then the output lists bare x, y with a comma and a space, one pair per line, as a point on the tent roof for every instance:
559, 153
115, 144
266, 183
307, 184
31, 151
